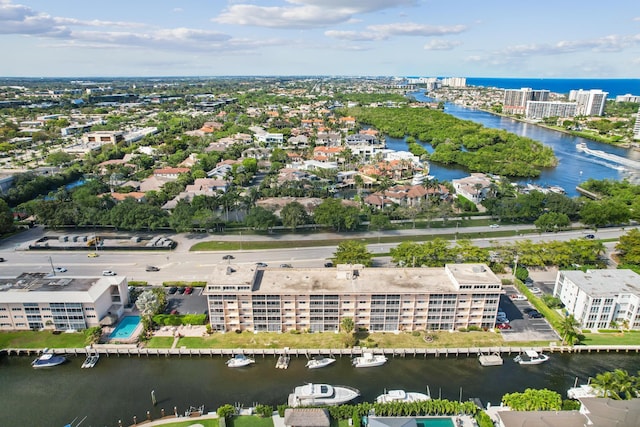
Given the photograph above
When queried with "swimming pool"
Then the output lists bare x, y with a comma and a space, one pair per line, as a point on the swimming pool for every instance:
435, 422
125, 328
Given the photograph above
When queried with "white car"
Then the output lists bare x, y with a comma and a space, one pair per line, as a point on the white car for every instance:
535, 290
518, 297
108, 273
494, 226
502, 320
60, 270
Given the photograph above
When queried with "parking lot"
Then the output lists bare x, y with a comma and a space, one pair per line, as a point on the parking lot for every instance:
522, 327
194, 303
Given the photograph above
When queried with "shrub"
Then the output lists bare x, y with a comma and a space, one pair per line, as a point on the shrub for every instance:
226, 411
281, 409
137, 283
474, 328
416, 333
264, 411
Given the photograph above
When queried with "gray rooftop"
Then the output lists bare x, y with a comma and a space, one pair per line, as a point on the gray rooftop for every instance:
605, 282
542, 418
42, 282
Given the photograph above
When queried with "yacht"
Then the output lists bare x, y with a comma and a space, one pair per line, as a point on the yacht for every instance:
320, 362
239, 360
47, 359
321, 394
368, 360
401, 396
531, 357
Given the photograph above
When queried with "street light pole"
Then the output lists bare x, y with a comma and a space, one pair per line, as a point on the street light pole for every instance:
53, 270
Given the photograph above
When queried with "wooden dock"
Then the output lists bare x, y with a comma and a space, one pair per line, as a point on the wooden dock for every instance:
490, 359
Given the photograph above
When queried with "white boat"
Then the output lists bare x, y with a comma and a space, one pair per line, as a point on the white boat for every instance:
321, 394
92, 358
47, 359
239, 360
584, 390
368, 360
319, 362
401, 396
531, 357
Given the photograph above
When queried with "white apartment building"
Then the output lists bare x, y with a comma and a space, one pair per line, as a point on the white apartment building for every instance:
590, 102
628, 98
37, 300
636, 126
597, 298
454, 81
515, 100
537, 110
378, 299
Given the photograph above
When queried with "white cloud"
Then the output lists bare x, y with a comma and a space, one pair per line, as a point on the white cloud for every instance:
304, 13
441, 44
386, 31
177, 10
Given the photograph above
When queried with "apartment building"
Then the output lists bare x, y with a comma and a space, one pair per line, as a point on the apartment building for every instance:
38, 300
378, 299
515, 100
589, 102
636, 126
598, 298
541, 109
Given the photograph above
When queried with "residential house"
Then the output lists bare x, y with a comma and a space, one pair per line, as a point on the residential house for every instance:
306, 417
474, 187
170, 173
200, 187
119, 197
327, 154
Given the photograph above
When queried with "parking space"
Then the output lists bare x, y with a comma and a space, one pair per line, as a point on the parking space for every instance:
522, 327
194, 303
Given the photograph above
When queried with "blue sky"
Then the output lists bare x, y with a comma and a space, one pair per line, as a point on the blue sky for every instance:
474, 38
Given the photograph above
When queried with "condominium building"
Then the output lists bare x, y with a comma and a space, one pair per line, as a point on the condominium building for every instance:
600, 298
378, 299
628, 98
636, 126
590, 102
541, 109
515, 100
37, 300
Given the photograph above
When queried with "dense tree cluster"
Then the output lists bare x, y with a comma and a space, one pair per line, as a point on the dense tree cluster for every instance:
533, 400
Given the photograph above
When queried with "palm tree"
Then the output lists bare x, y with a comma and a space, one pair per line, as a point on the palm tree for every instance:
568, 329
604, 382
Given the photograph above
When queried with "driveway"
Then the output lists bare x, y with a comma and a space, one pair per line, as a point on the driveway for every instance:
523, 328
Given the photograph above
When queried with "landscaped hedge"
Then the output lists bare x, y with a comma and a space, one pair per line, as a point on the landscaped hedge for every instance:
179, 319
182, 283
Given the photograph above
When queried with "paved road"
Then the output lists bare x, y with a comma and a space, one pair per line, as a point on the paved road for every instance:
180, 264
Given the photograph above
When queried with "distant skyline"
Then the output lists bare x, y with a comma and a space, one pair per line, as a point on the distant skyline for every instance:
494, 38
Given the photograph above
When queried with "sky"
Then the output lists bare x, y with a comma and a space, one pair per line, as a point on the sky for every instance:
448, 38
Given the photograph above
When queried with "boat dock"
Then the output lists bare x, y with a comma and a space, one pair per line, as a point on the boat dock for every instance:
283, 361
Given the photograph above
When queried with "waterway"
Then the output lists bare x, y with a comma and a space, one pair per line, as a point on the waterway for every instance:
574, 167
120, 387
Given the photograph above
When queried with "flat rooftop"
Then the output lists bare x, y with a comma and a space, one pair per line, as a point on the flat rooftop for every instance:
43, 287
605, 282
354, 278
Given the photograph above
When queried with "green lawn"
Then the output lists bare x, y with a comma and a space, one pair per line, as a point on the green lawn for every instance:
37, 339
250, 421
160, 342
612, 338
195, 421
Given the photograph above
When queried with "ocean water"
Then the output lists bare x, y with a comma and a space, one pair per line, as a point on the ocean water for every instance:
613, 86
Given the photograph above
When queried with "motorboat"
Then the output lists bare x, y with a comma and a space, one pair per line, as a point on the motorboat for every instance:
48, 359
401, 396
320, 362
368, 360
583, 390
531, 357
239, 360
321, 394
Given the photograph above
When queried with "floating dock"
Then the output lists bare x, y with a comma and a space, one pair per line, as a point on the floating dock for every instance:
490, 359
283, 361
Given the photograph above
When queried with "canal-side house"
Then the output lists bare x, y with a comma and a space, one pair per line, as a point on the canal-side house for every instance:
39, 300
599, 299
270, 299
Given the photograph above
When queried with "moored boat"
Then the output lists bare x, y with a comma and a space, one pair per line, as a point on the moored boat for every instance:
48, 359
321, 394
239, 360
401, 396
319, 362
531, 357
368, 360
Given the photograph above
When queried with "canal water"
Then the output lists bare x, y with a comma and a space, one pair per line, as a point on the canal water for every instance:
574, 167
119, 387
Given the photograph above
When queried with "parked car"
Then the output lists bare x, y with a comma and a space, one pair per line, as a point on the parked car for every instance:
181, 289
108, 273
286, 266
261, 264
188, 290
152, 268
517, 297
501, 319
535, 290
228, 257
590, 236
328, 264
172, 290
503, 326
174, 311
92, 255
535, 314
60, 270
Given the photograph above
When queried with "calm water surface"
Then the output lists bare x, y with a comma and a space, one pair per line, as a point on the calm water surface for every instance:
120, 387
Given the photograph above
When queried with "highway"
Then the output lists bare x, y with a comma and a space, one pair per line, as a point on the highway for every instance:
181, 264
